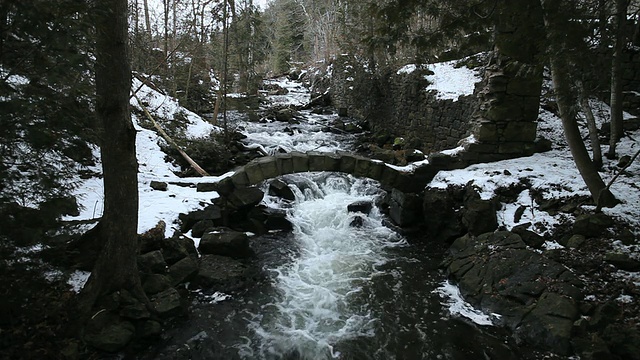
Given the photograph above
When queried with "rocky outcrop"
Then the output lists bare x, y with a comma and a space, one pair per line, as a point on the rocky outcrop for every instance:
536, 297
452, 212
166, 265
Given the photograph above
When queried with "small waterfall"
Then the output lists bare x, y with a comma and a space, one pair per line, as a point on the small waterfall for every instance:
319, 299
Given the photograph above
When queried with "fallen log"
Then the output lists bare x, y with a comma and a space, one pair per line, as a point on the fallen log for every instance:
171, 142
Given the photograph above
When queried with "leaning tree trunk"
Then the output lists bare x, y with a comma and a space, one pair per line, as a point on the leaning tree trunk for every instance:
567, 103
616, 78
591, 124
116, 267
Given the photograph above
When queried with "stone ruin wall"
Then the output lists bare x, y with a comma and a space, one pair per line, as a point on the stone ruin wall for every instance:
501, 114
399, 105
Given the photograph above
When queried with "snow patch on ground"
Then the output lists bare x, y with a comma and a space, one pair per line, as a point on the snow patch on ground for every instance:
552, 174
450, 81
78, 279
165, 106
456, 305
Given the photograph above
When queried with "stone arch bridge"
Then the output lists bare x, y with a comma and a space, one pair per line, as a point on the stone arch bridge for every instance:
269, 167
405, 203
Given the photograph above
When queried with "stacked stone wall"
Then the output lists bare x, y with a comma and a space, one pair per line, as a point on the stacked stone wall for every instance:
398, 104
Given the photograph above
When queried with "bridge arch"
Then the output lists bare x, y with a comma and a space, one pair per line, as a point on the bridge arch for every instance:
269, 167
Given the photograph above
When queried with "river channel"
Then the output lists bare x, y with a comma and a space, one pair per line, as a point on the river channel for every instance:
330, 290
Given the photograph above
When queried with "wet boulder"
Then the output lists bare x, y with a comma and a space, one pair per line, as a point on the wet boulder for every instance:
175, 249
152, 262
182, 271
441, 218
276, 219
405, 209
201, 227
280, 189
225, 242
357, 221
478, 215
362, 206
536, 297
285, 115
221, 272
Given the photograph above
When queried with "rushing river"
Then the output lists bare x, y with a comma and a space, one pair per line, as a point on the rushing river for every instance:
332, 290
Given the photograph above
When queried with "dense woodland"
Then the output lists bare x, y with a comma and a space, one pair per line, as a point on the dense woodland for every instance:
66, 66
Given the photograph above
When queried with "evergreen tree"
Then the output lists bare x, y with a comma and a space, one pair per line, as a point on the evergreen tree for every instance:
287, 21
248, 46
45, 101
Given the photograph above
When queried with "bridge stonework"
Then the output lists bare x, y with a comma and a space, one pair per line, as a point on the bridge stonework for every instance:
404, 186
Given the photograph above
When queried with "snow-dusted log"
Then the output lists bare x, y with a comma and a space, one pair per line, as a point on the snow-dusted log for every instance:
166, 136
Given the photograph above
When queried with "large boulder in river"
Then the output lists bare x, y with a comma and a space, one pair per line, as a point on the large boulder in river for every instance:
280, 189
536, 297
225, 242
362, 206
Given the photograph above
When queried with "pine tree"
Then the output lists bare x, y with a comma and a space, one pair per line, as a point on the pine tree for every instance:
45, 97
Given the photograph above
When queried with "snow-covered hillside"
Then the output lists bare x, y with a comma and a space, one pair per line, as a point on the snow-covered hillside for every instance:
154, 205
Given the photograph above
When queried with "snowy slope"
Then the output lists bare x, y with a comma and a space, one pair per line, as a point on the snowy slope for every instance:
154, 205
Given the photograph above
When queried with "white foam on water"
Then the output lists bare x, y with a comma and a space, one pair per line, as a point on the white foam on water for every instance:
316, 308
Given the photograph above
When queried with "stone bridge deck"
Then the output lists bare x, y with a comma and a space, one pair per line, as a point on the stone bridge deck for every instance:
269, 167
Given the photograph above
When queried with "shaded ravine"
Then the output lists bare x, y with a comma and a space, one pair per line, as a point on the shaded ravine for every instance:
330, 290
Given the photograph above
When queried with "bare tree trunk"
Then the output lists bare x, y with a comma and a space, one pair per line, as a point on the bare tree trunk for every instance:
593, 128
636, 32
147, 18
567, 103
116, 267
174, 29
616, 78
165, 4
